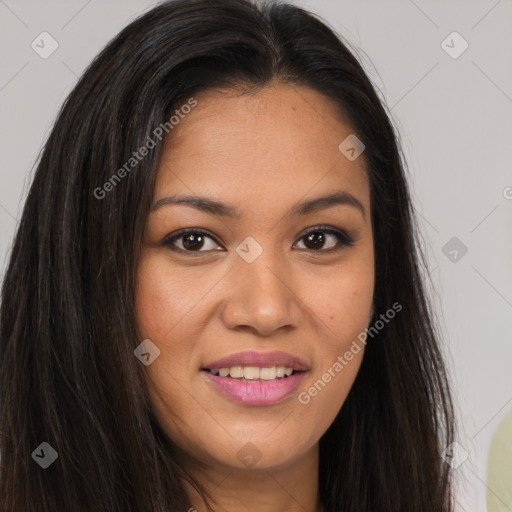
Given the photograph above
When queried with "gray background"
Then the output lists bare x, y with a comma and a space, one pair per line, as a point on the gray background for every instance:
454, 119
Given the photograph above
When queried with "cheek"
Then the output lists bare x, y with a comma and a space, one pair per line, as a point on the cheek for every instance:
162, 301
344, 307
339, 355
326, 391
152, 297
164, 297
344, 300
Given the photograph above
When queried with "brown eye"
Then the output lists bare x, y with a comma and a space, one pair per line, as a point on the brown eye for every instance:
316, 239
191, 241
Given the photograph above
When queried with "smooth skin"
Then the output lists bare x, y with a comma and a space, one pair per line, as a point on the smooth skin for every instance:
261, 153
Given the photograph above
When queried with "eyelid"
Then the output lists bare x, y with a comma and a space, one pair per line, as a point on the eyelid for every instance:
327, 229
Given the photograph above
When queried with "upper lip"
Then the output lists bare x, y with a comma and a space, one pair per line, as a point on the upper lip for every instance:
258, 359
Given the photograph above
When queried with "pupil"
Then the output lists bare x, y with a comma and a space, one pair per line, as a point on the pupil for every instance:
317, 238
197, 241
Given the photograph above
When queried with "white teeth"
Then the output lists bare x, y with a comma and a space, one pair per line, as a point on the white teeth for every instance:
268, 373
250, 372
254, 372
236, 372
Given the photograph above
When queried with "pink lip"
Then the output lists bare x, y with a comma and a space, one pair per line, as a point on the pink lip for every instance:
256, 392
260, 360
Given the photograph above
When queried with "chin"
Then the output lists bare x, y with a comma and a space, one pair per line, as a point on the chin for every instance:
258, 452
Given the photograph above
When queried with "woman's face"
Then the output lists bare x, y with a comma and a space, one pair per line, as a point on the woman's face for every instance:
269, 288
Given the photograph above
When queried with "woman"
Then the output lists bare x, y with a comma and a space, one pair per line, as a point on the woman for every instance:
214, 299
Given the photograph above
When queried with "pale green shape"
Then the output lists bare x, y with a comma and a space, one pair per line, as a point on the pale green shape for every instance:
499, 469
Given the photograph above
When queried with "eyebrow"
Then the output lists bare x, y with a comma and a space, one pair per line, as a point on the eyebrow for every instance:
213, 207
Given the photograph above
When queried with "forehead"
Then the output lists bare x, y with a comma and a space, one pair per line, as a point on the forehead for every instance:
282, 140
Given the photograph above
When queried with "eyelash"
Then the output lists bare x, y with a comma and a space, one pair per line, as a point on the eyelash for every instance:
343, 239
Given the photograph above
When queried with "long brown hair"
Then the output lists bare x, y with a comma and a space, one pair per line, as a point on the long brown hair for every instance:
68, 376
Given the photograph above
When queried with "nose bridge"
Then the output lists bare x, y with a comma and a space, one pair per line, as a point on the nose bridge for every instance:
261, 294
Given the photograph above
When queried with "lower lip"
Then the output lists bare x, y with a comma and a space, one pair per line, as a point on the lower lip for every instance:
256, 392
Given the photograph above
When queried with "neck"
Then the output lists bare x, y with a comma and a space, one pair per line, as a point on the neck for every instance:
290, 488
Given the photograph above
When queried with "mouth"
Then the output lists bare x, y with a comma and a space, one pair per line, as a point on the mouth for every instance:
250, 373
253, 378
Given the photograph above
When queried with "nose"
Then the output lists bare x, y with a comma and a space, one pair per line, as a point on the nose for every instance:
261, 297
